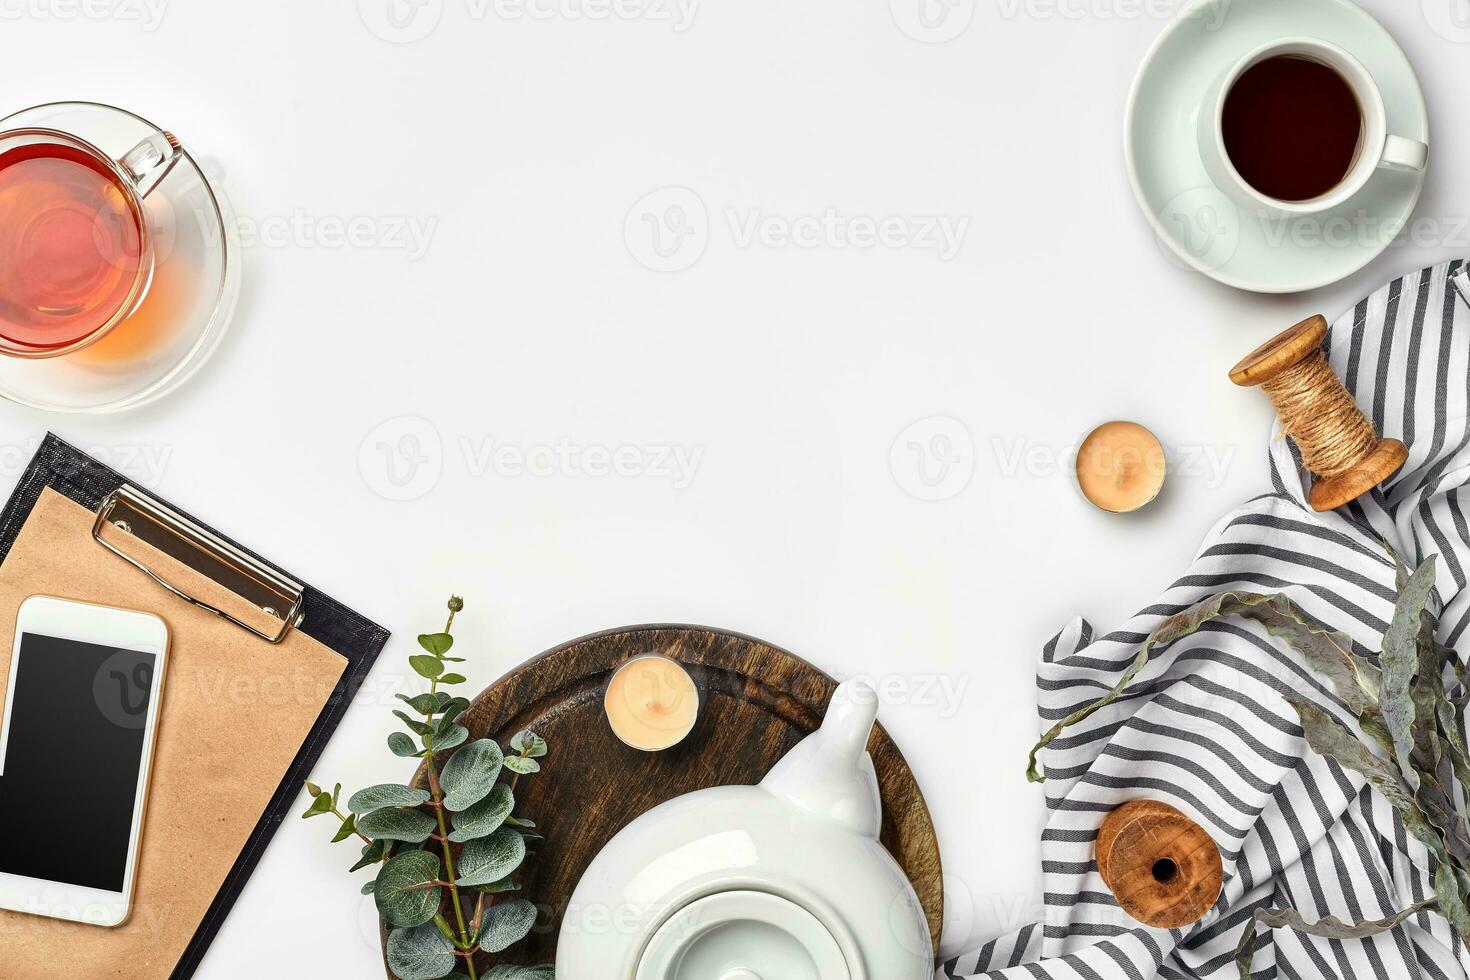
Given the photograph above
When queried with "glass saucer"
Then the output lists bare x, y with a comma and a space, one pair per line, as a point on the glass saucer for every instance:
196, 283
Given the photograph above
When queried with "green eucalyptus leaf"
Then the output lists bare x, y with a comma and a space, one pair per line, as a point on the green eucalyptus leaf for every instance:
529, 744
348, 829
507, 972
320, 804
421, 953
429, 703
426, 666
491, 858
484, 817
469, 776
385, 795
401, 895
436, 643
1400, 659
497, 887
401, 745
524, 766
451, 678
520, 822
413, 826
1174, 627
453, 708
372, 853
336, 795
506, 923
1328, 928
369, 886
414, 725
452, 736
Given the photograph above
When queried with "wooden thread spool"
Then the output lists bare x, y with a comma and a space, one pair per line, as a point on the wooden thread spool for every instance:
1337, 441
1162, 867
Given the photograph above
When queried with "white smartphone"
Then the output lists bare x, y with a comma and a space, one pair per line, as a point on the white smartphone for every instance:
76, 745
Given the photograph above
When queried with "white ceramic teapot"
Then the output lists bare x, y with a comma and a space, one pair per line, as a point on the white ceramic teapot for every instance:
781, 881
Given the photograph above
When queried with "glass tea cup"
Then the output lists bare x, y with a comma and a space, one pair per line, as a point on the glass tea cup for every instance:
76, 246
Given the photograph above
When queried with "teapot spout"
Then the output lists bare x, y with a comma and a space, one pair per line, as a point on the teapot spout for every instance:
829, 773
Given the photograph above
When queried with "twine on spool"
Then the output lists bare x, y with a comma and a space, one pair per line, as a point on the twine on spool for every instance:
1337, 441
1321, 417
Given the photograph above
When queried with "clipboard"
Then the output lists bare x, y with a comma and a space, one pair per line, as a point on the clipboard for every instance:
230, 611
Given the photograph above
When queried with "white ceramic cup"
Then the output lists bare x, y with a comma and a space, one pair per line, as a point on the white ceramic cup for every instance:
1377, 148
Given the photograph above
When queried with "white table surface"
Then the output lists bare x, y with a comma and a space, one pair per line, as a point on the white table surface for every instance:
523, 316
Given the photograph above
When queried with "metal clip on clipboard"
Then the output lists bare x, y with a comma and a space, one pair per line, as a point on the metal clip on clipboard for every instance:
135, 514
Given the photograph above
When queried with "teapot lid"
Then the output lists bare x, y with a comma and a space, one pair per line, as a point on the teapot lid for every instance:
743, 935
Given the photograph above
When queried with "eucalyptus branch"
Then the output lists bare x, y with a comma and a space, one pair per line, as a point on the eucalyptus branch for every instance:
460, 832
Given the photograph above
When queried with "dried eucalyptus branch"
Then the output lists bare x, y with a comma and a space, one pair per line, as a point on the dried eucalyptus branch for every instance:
439, 846
1413, 719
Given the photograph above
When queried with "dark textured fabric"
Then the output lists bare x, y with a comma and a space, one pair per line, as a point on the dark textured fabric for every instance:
86, 481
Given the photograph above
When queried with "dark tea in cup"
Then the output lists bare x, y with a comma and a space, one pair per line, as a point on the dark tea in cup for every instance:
1292, 127
75, 253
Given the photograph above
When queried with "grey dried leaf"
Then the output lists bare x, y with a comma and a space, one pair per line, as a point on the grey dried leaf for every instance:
1329, 737
1328, 928
1400, 659
1329, 652
1179, 625
1449, 892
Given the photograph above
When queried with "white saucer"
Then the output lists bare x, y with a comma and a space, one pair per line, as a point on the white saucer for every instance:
1197, 223
190, 301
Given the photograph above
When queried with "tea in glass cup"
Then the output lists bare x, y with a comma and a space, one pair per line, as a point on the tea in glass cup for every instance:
76, 253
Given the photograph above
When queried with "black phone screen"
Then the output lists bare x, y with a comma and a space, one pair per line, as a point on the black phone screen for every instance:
73, 748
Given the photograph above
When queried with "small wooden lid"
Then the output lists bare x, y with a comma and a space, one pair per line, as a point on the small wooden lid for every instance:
1162, 867
1382, 463
1280, 352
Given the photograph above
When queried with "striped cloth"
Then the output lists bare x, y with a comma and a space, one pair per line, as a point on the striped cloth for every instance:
1204, 726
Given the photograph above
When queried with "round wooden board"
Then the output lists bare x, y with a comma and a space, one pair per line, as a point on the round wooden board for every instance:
757, 701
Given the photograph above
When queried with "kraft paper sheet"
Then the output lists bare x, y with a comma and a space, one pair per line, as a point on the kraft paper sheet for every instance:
234, 714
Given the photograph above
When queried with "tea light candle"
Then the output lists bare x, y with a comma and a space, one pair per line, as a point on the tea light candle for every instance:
651, 703
1120, 466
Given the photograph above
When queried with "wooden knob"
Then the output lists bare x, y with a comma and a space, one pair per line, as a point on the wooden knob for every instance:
1162, 867
1281, 352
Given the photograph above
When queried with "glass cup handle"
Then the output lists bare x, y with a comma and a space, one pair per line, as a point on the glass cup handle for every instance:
150, 161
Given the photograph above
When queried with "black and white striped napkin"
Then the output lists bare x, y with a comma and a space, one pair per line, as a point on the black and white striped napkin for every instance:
1204, 726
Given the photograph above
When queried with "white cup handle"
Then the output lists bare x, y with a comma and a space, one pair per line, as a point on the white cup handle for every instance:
1401, 153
